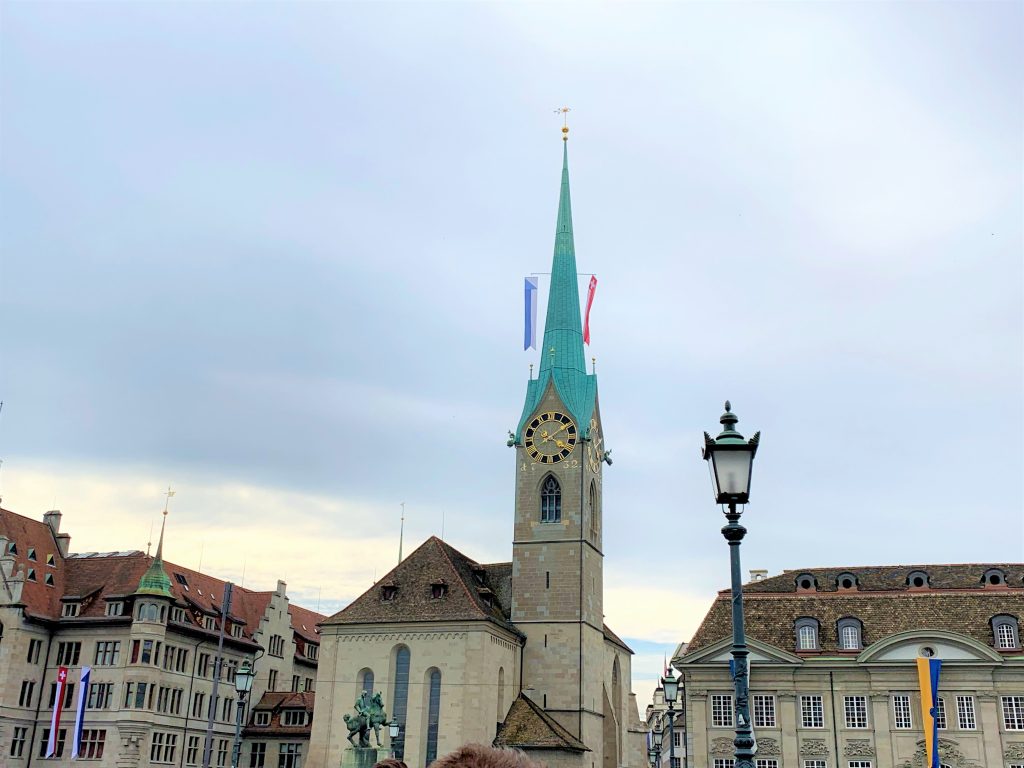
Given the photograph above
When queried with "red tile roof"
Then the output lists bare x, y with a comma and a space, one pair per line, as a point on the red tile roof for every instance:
28, 534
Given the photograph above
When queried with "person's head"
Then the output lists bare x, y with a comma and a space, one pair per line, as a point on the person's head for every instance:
391, 763
479, 756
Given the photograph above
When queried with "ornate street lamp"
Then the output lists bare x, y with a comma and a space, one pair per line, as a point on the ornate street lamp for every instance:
731, 458
393, 730
671, 685
652, 757
243, 685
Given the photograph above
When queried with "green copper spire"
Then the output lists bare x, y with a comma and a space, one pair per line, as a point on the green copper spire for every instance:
155, 580
562, 361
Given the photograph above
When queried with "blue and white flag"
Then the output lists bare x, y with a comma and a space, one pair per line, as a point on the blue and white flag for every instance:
530, 314
83, 695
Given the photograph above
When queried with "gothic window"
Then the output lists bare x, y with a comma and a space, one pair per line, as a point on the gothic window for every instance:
850, 634
501, 694
807, 634
400, 703
592, 509
433, 714
550, 501
366, 680
1005, 631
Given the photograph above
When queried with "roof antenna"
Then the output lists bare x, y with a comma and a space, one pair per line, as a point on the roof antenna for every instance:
244, 561
401, 535
150, 542
200, 568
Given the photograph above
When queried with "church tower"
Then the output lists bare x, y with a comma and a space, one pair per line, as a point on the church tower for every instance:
557, 558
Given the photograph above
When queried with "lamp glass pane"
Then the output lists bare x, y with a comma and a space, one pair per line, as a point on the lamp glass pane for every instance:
732, 472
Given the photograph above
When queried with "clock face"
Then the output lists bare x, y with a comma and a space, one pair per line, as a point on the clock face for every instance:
595, 449
550, 437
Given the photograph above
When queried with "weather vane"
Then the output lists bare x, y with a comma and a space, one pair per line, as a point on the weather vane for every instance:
168, 494
565, 121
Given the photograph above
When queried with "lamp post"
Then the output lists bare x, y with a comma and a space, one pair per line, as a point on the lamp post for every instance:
393, 730
731, 458
659, 736
243, 684
671, 685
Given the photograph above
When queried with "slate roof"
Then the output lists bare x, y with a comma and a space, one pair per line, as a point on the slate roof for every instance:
468, 586
956, 601
94, 577
527, 726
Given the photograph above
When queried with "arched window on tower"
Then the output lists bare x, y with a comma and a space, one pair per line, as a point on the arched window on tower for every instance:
592, 509
550, 501
433, 713
400, 700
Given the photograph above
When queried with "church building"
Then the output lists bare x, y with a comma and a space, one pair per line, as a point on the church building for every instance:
516, 653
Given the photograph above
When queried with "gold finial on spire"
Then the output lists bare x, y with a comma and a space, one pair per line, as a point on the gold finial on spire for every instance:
565, 121
167, 501
593, 365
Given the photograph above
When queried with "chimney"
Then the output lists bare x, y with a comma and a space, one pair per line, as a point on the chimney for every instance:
52, 519
758, 574
282, 588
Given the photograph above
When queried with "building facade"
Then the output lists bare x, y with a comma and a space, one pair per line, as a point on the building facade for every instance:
514, 653
149, 630
833, 681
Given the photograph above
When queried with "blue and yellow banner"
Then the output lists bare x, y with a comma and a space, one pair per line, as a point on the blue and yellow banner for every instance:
928, 680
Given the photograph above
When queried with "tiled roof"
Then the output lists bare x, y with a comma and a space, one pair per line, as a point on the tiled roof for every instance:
468, 583
527, 726
27, 534
276, 702
957, 602
611, 636
95, 576
892, 577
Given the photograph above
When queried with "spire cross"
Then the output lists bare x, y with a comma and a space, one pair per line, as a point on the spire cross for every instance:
564, 111
167, 501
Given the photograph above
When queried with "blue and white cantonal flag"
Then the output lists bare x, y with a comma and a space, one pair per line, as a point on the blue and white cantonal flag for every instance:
83, 694
530, 313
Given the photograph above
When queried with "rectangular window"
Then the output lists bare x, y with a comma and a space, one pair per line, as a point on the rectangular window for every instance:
1005, 636
295, 683
140, 696
162, 747
225, 710
100, 695
289, 756
815, 764
1013, 713
721, 710
27, 689
901, 711
67, 654
724, 762
855, 711
258, 755
766, 762
677, 762
108, 653
764, 711
147, 652
69, 610
18, 742
294, 717
812, 711
69, 690
115, 608
222, 753
677, 738
940, 714
34, 646
310, 683
197, 704
272, 680
61, 736
261, 719
965, 718
192, 753
203, 669
90, 746
859, 764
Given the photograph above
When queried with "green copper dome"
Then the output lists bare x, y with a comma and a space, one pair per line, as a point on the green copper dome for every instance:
155, 580
562, 362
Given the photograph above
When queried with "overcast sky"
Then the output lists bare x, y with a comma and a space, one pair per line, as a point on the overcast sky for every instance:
272, 255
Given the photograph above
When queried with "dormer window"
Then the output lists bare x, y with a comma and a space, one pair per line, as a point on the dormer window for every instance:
846, 581
70, 609
478, 575
236, 630
115, 608
488, 597
261, 719
209, 623
1006, 632
388, 592
994, 577
182, 581
807, 634
806, 582
850, 632
917, 580
438, 589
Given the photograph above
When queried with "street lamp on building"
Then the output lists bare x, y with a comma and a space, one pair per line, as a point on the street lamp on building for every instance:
671, 685
243, 685
731, 459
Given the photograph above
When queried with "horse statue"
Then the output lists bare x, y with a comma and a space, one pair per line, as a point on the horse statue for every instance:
369, 714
